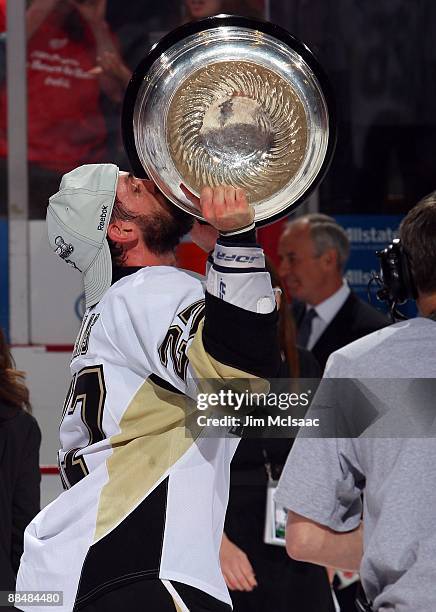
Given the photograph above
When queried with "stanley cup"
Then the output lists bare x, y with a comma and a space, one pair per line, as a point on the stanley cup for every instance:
235, 101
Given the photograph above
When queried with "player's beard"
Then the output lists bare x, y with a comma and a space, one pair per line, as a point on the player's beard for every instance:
163, 230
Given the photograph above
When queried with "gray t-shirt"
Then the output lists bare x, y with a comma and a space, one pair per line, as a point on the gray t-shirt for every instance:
324, 477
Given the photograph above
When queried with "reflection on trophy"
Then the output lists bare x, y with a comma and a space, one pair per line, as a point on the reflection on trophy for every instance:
235, 101
239, 124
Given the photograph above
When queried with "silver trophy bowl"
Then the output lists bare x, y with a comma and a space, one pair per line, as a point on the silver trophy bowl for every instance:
230, 101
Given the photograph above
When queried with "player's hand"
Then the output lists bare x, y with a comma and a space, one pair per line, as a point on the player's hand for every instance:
235, 566
226, 208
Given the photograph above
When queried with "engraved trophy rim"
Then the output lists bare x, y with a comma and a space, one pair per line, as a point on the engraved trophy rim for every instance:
151, 76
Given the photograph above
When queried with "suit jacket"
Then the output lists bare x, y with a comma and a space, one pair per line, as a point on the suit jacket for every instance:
354, 320
20, 439
249, 459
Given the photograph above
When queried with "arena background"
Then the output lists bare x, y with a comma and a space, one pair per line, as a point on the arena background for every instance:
381, 60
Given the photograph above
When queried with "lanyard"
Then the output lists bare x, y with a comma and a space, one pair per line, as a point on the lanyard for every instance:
267, 466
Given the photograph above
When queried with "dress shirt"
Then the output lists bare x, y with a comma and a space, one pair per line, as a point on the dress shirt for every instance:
326, 312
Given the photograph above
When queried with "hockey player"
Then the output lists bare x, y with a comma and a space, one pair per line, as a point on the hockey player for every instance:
139, 525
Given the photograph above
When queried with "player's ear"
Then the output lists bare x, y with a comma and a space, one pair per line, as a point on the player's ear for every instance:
122, 231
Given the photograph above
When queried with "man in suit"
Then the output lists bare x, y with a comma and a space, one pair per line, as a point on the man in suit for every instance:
313, 251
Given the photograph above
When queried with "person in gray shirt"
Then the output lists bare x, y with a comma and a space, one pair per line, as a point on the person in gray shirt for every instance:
387, 381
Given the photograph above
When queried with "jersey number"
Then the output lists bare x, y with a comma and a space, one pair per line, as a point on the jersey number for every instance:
174, 346
87, 393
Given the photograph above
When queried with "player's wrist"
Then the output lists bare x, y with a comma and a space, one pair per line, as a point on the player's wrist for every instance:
240, 230
245, 235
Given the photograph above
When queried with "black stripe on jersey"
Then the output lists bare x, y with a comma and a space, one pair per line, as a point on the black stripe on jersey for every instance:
219, 268
130, 552
150, 595
164, 384
242, 339
153, 596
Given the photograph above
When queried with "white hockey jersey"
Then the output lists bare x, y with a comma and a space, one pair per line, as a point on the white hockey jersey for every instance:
144, 498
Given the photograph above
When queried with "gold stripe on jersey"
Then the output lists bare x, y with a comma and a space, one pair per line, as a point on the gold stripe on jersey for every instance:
176, 605
174, 596
210, 372
157, 428
152, 438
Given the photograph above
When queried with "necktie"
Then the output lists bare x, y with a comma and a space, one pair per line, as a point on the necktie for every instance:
305, 328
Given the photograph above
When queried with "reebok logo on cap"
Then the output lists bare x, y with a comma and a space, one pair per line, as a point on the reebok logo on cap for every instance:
103, 216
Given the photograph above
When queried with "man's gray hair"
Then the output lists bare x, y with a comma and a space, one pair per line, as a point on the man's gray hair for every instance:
327, 234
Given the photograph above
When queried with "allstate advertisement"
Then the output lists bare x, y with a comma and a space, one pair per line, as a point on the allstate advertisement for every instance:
368, 234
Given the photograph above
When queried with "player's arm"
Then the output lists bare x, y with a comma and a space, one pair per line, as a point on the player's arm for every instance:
240, 316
